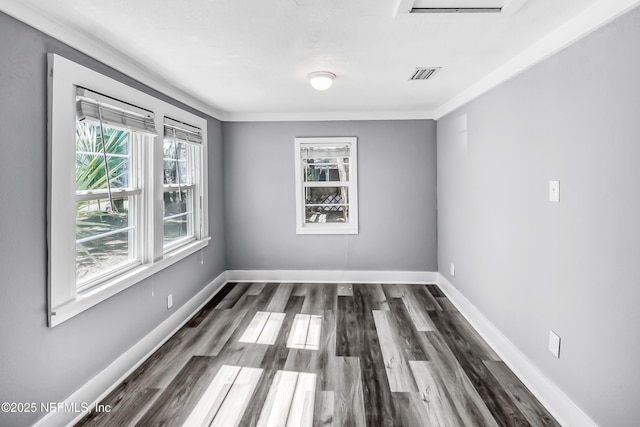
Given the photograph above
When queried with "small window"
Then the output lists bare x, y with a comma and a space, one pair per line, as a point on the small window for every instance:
326, 186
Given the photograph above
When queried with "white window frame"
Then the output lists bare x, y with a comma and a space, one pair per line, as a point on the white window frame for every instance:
194, 168
65, 300
136, 194
350, 227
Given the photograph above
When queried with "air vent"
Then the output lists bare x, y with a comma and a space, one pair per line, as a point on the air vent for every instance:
455, 10
495, 7
424, 73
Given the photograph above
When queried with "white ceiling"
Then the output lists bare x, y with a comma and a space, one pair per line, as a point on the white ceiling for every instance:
248, 60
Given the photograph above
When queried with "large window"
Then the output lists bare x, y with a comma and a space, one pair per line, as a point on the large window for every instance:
114, 155
326, 186
109, 134
181, 148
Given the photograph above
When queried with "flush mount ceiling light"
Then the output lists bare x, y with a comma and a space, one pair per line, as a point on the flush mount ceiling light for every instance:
321, 80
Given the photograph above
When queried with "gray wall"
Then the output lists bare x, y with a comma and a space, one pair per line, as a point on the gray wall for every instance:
396, 190
530, 265
38, 364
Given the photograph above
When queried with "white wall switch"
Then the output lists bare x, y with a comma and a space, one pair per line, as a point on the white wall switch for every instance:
169, 301
554, 191
453, 269
554, 344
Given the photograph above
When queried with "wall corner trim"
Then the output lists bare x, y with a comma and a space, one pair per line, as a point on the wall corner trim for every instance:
104, 382
555, 400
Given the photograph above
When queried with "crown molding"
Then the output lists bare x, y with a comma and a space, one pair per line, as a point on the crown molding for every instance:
327, 116
27, 13
565, 35
568, 33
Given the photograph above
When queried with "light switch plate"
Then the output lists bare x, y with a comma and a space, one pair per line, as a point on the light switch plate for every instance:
554, 344
453, 269
554, 191
169, 301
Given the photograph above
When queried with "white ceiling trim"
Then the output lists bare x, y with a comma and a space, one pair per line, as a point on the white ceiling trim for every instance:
103, 53
570, 32
592, 18
328, 116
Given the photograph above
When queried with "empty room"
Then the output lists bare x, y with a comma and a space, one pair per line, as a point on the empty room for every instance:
320, 213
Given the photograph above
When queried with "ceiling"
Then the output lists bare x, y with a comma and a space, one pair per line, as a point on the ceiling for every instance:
249, 60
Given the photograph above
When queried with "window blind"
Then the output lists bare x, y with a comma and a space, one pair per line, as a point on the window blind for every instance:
182, 132
318, 152
94, 107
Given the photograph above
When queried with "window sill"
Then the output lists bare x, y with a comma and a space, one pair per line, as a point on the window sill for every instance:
90, 297
177, 245
327, 229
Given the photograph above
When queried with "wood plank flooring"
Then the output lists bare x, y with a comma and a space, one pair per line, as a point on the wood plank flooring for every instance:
297, 355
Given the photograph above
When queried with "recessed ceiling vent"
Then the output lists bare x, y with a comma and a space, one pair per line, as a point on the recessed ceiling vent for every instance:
456, 10
458, 6
424, 73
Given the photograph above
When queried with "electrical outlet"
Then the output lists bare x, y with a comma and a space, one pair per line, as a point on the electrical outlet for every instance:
453, 269
554, 344
169, 301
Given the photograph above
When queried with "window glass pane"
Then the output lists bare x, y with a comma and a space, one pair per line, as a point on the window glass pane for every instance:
90, 160
328, 214
178, 215
326, 195
176, 163
326, 204
318, 170
177, 228
178, 203
104, 236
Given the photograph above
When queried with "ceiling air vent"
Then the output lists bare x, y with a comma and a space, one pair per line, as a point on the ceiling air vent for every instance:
458, 6
456, 10
424, 73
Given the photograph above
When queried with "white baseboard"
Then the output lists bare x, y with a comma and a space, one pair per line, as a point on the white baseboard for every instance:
566, 412
96, 389
332, 276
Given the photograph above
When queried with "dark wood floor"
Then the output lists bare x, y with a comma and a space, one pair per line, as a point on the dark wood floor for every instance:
282, 354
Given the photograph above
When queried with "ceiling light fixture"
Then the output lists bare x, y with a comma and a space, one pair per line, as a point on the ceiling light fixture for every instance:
321, 80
